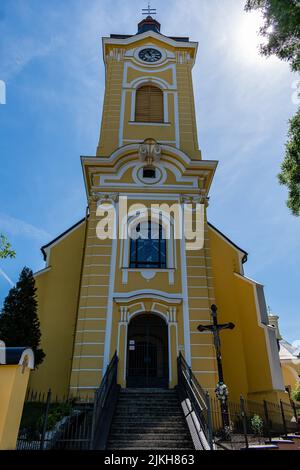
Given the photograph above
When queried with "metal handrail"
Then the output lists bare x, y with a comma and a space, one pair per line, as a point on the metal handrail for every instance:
199, 402
105, 398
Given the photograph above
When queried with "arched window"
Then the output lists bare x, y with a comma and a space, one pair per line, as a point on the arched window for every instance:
149, 104
149, 249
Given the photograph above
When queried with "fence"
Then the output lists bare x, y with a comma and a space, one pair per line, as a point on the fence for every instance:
52, 423
250, 419
70, 423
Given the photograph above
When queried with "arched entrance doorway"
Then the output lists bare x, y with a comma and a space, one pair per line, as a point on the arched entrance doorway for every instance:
147, 352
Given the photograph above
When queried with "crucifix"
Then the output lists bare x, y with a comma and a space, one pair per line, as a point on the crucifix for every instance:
221, 390
149, 11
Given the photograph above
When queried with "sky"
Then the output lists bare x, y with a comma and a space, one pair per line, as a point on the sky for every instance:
51, 63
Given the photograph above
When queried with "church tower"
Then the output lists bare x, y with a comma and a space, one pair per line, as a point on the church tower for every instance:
144, 298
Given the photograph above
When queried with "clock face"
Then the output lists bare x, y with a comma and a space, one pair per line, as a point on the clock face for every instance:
150, 55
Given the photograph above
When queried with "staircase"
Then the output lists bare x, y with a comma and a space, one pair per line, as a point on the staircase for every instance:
149, 419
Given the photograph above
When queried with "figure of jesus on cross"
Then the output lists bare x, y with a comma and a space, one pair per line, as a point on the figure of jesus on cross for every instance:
221, 390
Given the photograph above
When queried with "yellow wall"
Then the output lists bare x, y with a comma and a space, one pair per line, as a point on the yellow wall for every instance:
201, 277
244, 349
57, 309
291, 374
118, 127
13, 385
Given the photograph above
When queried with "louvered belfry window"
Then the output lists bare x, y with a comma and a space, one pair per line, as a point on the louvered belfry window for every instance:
149, 104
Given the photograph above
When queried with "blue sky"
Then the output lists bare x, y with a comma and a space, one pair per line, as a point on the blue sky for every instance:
51, 62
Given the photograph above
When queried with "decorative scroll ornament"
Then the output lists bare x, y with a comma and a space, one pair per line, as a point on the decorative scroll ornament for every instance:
150, 152
102, 198
197, 199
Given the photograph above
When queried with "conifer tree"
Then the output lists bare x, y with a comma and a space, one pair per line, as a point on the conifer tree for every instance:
19, 323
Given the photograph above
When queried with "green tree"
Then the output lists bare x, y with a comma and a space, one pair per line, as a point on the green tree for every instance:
290, 167
19, 323
281, 29
5, 248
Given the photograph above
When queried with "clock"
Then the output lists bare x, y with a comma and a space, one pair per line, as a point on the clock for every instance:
150, 55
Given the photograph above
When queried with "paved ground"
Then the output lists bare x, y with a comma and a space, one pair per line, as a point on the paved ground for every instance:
280, 443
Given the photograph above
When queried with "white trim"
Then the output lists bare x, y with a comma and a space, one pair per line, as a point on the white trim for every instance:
90, 387
125, 352
29, 355
166, 108
95, 285
275, 369
169, 352
176, 116
167, 149
157, 124
96, 255
93, 307
122, 117
95, 265
98, 246
94, 296
96, 275
150, 34
113, 267
161, 141
185, 304
91, 319
90, 331
205, 371
88, 357
204, 358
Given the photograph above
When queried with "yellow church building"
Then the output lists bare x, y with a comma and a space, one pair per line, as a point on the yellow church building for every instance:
144, 298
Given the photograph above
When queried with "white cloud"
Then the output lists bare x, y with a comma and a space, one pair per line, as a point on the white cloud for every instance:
17, 227
3, 274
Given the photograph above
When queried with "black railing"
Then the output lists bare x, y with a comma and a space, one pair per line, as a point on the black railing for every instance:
254, 422
69, 423
196, 404
104, 406
51, 422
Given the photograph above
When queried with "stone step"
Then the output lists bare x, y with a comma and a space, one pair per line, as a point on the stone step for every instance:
148, 414
138, 428
153, 445
149, 409
149, 419
149, 437
141, 402
166, 420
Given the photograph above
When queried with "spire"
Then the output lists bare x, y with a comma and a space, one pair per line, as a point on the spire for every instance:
149, 23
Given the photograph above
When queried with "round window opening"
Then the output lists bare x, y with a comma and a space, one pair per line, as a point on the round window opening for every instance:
149, 174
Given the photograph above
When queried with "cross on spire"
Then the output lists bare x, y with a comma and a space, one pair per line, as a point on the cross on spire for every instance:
149, 11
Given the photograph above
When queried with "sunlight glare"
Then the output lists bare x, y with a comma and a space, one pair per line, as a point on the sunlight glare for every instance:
248, 38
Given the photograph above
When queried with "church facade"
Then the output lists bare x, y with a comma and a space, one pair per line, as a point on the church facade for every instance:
145, 297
